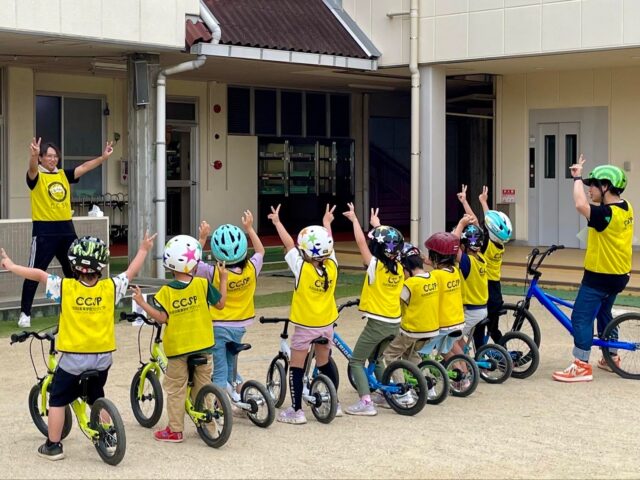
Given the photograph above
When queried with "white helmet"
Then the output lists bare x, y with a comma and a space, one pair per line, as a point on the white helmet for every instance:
498, 225
182, 253
316, 242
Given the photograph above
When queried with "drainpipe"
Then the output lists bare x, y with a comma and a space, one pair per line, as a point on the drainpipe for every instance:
211, 22
415, 122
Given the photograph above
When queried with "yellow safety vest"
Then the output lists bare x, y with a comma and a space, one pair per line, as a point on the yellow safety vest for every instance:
382, 297
420, 315
87, 317
493, 257
311, 306
475, 288
51, 197
451, 310
189, 327
610, 251
241, 288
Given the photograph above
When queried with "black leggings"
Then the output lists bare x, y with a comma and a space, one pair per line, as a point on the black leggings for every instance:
493, 310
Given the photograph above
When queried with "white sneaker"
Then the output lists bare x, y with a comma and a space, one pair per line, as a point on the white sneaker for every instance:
339, 412
24, 321
432, 394
379, 400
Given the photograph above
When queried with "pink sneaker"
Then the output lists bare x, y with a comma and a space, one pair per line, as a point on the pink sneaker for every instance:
603, 365
292, 416
167, 435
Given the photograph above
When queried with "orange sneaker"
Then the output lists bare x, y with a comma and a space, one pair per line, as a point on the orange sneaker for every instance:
578, 371
167, 435
603, 365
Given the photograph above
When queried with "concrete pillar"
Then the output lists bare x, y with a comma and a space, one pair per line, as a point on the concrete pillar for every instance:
142, 162
432, 151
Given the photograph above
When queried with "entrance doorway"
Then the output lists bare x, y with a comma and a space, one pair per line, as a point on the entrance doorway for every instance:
182, 185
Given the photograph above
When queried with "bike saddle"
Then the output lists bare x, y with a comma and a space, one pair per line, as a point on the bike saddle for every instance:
195, 360
235, 348
455, 334
88, 374
483, 322
320, 341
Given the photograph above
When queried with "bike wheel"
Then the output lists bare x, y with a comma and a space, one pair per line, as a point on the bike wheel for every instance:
350, 376
523, 352
325, 403
412, 396
262, 412
519, 319
40, 418
111, 443
624, 328
463, 375
277, 381
315, 372
494, 363
146, 409
437, 381
214, 403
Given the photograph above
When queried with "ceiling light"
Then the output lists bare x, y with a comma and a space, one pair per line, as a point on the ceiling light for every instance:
121, 67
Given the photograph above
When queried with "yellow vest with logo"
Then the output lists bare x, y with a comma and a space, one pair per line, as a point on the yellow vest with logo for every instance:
189, 327
51, 198
87, 317
493, 257
451, 310
610, 251
475, 288
382, 297
421, 314
311, 306
241, 288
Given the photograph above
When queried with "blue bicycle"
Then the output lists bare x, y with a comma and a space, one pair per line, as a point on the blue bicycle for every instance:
620, 337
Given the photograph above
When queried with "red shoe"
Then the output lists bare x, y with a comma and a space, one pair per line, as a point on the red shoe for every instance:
602, 363
167, 435
578, 371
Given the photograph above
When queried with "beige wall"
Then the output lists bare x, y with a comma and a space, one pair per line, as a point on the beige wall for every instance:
616, 89
122, 21
472, 29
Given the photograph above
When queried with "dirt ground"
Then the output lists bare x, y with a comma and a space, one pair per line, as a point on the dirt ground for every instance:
533, 428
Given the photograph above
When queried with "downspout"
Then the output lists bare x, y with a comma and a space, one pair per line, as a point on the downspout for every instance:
161, 147
415, 123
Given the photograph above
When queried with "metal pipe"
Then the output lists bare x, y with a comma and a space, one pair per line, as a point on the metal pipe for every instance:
211, 22
415, 123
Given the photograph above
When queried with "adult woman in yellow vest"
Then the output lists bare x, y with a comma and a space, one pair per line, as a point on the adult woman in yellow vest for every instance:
52, 230
607, 262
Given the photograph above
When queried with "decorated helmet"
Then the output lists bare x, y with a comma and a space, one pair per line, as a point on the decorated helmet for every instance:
182, 253
443, 243
88, 255
315, 242
498, 225
410, 257
229, 244
614, 175
387, 240
409, 250
472, 237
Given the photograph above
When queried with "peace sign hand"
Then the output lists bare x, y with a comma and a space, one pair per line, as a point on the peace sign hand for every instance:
462, 195
35, 147
274, 216
328, 215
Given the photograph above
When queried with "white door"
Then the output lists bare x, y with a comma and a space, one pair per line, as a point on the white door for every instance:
558, 147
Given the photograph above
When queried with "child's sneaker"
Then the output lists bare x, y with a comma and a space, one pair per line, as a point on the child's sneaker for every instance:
24, 321
603, 365
362, 408
339, 412
461, 385
51, 451
407, 398
167, 435
379, 400
578, 371
237, 411
290, 415
432, 394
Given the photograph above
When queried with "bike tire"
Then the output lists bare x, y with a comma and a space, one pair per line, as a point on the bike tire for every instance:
458, 375
436, 376
519, 319
332, 366
500, 361
111, 443
524, 353
413, 385
325, 405
277, 381
39, 420
263, 411
350, 376
218, 412
624, 328
154, 397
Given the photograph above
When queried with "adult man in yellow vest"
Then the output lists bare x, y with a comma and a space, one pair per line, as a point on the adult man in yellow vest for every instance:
52, 231
607, 262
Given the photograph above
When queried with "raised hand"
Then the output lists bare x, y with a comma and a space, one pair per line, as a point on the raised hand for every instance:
108, 150
576, 168
247, 220
5, 261
136, 296
34, 147
222, 268
462, 195
374, 220
484, 196
274, 216
147, 241
351, 213
328, 215
204, 230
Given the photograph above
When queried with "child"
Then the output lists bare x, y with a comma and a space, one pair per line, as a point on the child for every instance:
498, 228
379, 303
420, 305
229, 245
184, 307
313, 307
86, 334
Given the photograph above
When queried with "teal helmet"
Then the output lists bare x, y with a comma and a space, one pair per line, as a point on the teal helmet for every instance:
610, 173
229, 244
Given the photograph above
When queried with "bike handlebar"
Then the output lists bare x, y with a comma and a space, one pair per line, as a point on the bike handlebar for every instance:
23, 336
350, 303
132, 317
273, 320
533, 270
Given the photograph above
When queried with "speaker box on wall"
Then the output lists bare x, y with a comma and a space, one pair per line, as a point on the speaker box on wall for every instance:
141, 82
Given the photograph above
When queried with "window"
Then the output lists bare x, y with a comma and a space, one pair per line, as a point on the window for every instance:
549, 156
316, 115
182, 111
291, 113
570, 153
265, 112
239, 110
340, 119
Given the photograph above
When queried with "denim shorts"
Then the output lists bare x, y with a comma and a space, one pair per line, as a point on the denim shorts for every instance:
302, 336
443, 341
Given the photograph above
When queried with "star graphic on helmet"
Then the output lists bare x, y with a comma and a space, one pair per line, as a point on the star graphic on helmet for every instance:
315, 250
190, 254
391, 246
393, 234
473, 238
379, 237
312, 238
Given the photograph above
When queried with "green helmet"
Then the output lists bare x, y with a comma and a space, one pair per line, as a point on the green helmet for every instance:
88, 255
614, 175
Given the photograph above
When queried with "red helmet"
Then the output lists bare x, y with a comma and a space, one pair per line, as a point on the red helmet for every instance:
443, 243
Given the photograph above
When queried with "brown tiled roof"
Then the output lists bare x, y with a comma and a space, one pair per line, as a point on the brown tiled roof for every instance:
196, 32
296, 25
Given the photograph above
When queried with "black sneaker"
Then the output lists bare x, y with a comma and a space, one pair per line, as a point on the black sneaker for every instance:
51, 451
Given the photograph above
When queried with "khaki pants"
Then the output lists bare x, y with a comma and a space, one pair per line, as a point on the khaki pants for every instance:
405, 348
175, 384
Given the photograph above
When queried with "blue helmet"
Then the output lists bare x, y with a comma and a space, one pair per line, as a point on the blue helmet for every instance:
229, 244
498, 225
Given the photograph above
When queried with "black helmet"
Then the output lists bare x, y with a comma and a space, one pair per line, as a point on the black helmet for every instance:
472, 237
88, 255
386, 240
